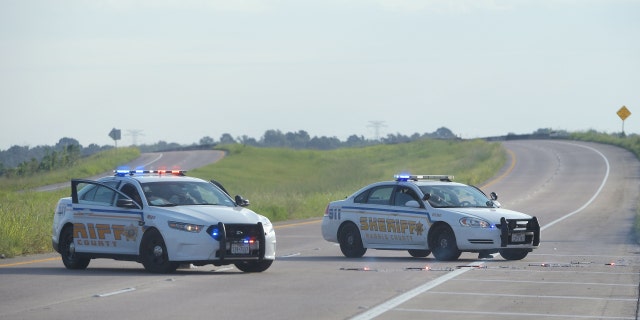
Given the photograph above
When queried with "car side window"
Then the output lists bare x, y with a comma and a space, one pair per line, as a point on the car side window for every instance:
380, 195
131, 191
362, 198
96, 194
403, 195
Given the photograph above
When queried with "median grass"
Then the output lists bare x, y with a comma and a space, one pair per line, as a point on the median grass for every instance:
282, 184
286, 184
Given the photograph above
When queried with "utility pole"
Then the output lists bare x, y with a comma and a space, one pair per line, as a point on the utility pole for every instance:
134, 135
376, 125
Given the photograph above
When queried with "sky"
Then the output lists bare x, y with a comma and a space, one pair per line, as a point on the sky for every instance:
181, 70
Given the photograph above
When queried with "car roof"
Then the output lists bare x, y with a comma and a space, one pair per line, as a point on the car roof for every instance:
418, 183
152, 178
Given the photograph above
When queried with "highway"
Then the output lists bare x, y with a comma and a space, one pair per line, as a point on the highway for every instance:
587, 267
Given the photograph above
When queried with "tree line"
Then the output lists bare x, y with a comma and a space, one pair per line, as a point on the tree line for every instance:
23, 160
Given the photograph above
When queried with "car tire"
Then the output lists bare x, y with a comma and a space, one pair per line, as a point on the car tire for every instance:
253, 266
154, 255
514, 254
443, 244
419, 253
68, 253
350, 241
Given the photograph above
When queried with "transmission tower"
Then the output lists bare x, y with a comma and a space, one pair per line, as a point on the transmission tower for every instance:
376, 125
134, 135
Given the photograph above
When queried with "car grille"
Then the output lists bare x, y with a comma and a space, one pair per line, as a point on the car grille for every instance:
240, 241
519, 231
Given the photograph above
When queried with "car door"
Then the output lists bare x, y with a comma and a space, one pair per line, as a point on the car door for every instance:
105, 220
381, 223
412, 219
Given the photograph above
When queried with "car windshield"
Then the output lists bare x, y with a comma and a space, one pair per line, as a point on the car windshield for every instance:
178, 193
453, 196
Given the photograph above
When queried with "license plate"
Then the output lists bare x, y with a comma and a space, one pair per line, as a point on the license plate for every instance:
518, 237
240, 248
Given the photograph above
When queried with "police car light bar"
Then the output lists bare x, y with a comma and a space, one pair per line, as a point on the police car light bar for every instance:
124, 172
407, 177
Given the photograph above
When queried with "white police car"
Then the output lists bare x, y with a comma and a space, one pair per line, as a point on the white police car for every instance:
161, 219
427, 214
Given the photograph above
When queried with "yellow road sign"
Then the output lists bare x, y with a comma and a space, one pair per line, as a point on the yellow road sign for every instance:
623, 113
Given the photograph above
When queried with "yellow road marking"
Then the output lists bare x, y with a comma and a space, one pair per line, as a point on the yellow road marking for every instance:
28, 262
507, 172
295, 224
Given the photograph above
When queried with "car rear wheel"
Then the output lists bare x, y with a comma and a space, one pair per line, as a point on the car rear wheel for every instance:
514, 254
153, 253
419, 253
253, 266
443, 244
68, 251
351, 242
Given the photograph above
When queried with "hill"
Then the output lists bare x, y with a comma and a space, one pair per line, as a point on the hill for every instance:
281, 183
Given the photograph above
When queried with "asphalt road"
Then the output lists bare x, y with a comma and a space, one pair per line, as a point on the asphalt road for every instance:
170, 160
587, 267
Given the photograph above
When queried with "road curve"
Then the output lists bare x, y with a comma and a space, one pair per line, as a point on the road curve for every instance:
587, 266
182, 160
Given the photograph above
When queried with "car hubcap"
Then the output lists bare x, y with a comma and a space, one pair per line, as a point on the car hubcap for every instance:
157, 251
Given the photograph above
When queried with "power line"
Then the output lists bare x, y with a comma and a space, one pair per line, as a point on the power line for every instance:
376, 125
134, 135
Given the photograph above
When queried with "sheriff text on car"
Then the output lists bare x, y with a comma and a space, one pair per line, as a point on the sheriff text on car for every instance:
426, 214
161, 219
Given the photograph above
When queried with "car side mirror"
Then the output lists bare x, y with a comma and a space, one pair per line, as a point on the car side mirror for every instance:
126, 203
494, 196
241, 201
412, 204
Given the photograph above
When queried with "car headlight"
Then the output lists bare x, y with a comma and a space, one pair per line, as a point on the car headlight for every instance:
189, 227
473, 222
266, 225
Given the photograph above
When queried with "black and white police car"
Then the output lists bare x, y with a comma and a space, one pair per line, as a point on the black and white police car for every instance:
162, 219
427, 214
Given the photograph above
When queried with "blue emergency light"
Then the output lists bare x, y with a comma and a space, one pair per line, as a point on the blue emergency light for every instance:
125, 172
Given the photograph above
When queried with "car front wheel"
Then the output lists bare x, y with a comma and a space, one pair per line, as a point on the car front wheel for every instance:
419, 253
514, 254
351, 242
153, 253
68, 251
253, 266
443, 244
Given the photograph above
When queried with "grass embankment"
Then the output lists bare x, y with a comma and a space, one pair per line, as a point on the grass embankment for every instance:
286, 184
282, 184
26, 215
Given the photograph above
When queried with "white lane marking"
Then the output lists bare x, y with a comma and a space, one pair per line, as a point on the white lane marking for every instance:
595, 195
102, 295
497, 313
222, 269
291, 255
537, 296
152, 161
394, 302
554, 282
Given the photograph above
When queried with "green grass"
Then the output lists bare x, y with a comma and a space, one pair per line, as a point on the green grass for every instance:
27, 215
282, 184
286, 184
93, 165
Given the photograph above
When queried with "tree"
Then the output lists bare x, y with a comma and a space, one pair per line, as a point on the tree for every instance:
227, 139
206, 141
273, 138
